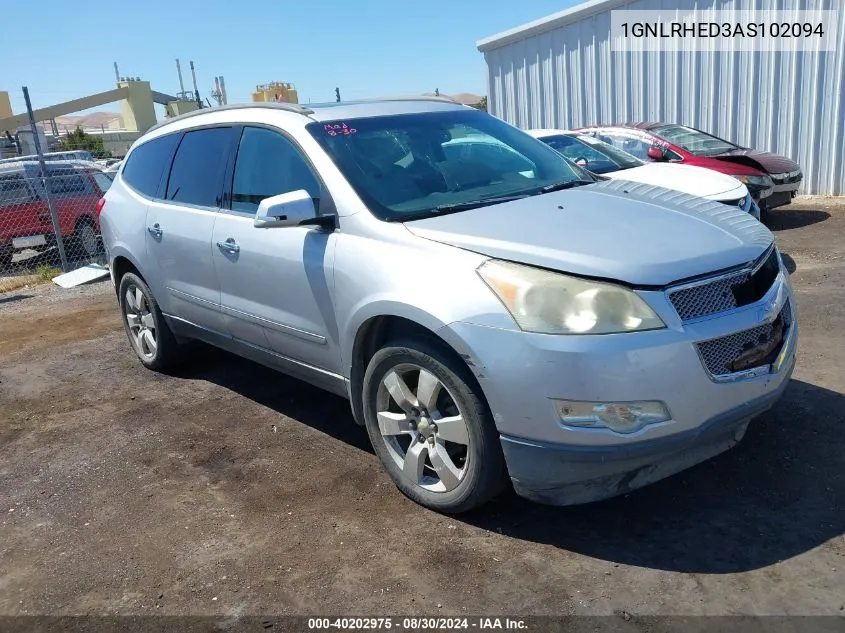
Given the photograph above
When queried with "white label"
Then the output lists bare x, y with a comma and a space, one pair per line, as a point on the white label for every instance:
29, 241
671, 30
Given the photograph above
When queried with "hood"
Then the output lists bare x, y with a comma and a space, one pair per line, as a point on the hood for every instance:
615, 229
765, 161
696, 181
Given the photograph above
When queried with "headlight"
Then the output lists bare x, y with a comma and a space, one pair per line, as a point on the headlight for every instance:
553, 303
759, 181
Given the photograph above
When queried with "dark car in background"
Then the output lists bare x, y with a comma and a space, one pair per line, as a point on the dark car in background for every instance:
772, 179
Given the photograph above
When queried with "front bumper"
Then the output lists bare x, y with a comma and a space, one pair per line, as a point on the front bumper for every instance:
558, 474
522, 373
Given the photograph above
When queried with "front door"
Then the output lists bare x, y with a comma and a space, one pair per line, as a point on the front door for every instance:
180, 227
275, 283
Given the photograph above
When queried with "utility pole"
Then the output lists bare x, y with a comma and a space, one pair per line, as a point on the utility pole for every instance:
45, 182
337, 94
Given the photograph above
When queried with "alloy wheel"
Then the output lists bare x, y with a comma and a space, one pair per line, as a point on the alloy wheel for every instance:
423, 428
142, 325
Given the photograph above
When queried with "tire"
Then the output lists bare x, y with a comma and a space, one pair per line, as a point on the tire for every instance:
85, 241
141, 314
440, 472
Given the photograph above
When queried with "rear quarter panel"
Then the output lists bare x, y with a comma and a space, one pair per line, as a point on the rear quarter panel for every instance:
122, 223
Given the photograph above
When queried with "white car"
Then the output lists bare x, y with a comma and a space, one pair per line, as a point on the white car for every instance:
606, 160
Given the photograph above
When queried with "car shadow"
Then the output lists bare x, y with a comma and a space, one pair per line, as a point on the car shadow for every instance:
293, 398
785, 219
778, 494
790, 264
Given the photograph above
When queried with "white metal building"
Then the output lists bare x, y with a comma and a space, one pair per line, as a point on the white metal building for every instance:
560, 72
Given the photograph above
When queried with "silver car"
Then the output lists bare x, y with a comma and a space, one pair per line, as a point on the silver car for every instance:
488, 312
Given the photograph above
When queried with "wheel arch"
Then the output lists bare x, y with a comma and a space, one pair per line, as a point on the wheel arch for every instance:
122, 264
375, 330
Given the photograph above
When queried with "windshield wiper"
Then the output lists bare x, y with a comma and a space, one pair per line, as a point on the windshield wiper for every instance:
474, 204
560, 186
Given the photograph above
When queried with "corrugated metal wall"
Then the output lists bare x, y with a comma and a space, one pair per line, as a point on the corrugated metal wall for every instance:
790, 102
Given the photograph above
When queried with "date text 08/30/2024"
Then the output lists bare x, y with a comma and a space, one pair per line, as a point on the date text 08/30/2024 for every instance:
416, 623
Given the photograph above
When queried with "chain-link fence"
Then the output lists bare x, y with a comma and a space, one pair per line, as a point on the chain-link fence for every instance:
49, 203
42, 215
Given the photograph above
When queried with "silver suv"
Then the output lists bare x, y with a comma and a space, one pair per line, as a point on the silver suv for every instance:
488, 309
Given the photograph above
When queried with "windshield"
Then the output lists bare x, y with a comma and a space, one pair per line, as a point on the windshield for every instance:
694, 141
414, 165
591, 153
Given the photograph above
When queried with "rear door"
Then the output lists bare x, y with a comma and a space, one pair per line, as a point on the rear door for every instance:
74, 196
275, 283
180, 223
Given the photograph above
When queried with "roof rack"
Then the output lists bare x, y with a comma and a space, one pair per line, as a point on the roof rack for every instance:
298, 108
289, 107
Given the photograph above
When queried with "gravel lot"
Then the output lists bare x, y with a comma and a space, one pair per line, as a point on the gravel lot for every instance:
226, 488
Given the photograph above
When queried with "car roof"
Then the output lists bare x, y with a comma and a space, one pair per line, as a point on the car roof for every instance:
322, 111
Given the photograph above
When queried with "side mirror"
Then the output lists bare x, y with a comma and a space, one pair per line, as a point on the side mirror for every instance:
656, 153
286, 209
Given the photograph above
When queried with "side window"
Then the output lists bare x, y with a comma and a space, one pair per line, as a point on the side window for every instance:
633, 145
67, 182
146, 163
103, 181
581, 153
14, 190
197, 171
268, 164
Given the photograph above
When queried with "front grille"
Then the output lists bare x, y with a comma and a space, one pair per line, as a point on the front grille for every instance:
747, 349
786, 178
727, 292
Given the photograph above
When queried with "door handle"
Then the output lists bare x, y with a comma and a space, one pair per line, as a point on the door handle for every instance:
155, 230
230, 246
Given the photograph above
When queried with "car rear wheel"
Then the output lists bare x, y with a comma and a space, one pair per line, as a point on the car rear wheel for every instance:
145, 326
431, 427
86, 241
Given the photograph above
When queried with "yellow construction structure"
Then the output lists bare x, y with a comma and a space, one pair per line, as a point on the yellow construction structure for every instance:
5, 105
137, 109
276, 91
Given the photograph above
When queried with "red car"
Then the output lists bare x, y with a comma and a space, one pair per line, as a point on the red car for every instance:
25, 223
773, 180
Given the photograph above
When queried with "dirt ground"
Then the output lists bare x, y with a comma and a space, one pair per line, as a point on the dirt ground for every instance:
229, 489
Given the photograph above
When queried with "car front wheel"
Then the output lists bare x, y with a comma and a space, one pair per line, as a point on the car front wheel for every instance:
431, 427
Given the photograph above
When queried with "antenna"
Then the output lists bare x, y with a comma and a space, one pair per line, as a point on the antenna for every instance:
116, 73
196, 90
223, 90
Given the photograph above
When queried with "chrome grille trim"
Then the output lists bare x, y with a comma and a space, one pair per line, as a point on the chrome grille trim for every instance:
716, 354
713, 295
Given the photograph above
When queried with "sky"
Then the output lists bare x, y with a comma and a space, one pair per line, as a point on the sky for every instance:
366, 48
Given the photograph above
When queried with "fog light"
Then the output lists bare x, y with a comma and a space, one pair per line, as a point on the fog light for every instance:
621, 417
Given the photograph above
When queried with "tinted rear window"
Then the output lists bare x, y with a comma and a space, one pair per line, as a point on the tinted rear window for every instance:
196, 175
147, 163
